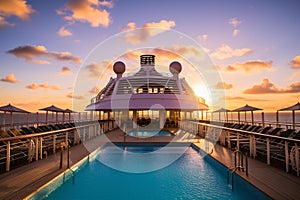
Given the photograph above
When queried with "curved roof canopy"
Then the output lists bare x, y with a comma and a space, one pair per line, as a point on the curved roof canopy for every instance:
147, 89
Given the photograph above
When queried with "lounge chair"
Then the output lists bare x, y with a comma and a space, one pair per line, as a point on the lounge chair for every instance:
266, 130
35, 130
275, 131
15, 132
18, 149
27, 130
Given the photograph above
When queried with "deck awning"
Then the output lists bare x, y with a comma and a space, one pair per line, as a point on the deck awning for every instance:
147, 102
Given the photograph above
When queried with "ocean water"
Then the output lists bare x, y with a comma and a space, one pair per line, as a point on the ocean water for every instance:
284, 117
21, 118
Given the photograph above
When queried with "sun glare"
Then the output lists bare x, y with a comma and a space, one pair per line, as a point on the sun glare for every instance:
202, 91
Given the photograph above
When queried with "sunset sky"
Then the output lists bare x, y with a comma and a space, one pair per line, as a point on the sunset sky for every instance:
44, 45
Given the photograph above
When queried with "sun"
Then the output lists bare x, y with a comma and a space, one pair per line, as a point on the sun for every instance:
203, 92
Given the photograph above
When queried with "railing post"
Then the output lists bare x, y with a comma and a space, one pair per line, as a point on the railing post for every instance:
268, 152
36, 148
68, 156
8, 156
67, 138
251, 145
61, 157
238, 141
90, 132
54, 143
228, 140
286, 156
41, 148
254, 147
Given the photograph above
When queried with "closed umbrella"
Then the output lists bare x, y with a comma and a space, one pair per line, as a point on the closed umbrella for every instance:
245, 109
293, 108
9, 108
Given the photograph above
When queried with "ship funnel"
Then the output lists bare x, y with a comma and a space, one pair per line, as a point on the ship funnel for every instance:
147, 60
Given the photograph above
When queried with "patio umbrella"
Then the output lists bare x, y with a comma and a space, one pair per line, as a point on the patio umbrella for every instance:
245, 109
68, 111
292, 108
9, 108
52, 109
224, 110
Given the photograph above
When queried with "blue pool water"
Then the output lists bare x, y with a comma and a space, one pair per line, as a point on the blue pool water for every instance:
149, 133
189, 177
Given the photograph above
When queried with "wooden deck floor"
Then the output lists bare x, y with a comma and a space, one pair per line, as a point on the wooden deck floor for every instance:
22, 181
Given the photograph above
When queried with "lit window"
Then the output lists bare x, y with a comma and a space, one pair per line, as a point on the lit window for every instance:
140, 90
150, 90
155, 90
161, 90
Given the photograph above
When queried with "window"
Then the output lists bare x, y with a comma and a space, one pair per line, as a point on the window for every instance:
161, 90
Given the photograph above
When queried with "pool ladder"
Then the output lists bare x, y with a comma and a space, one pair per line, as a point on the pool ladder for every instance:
239, 165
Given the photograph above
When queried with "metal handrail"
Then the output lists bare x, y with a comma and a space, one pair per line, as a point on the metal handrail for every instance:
38, 138
269, 140
43, 133
249, 132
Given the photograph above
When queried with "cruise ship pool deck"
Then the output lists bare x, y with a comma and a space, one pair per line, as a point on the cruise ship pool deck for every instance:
272, 181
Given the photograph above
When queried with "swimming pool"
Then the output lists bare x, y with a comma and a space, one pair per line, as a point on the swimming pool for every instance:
149, 133
189, 177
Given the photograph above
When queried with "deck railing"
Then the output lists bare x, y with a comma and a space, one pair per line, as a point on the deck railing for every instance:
26, 148
272, 149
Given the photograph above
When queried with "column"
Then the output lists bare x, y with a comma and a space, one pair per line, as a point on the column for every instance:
161, 118
134, 120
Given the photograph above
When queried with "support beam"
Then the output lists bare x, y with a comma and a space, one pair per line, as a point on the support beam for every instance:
8, 156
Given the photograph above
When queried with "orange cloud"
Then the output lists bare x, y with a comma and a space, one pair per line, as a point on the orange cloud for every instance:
87, 11
266, 87
10, 79
223, 85
295, 63
63, 32
170, 53
95, 90
4, 23
108, 4
18, 8
238, 98
225, 52
250, 66
65, 71
72, 96
145, 31
29, 52
45, 85
294, 75
95, 69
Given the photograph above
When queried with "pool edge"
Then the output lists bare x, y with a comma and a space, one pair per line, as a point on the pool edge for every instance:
88, 158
